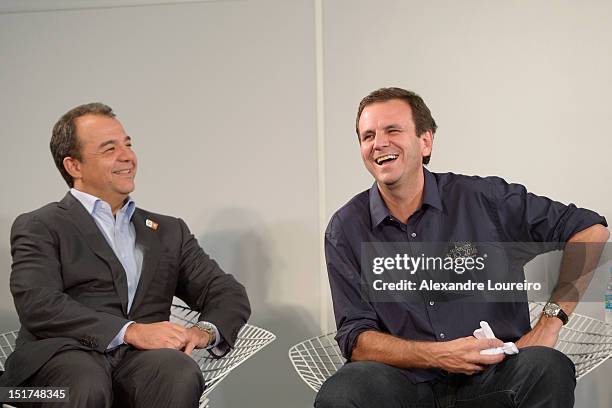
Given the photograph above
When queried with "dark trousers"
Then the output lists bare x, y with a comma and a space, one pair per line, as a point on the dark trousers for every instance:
124, 377
537, 377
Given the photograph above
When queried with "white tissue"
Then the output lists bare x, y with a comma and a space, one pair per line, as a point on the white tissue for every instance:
485, 332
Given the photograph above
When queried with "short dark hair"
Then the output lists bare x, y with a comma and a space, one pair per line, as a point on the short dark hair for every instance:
64, 141
423, 121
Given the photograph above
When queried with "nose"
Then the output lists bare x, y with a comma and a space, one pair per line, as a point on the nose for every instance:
381, 139
126, 154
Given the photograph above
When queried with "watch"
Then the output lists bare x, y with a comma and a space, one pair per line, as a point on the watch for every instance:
554, 310
208, 328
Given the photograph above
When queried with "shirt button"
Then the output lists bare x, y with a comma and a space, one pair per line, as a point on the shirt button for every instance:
431, 303
413, 234
442, 335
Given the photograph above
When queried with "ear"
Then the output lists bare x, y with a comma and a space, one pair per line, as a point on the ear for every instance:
426, 143
73, 167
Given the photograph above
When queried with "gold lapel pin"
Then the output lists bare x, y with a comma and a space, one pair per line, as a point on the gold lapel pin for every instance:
151, 224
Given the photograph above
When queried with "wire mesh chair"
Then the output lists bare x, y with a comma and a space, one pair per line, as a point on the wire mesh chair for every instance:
316, 359
7, 345
586, 341
250, 340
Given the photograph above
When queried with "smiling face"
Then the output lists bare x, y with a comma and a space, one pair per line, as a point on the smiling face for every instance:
390, 148
108, 165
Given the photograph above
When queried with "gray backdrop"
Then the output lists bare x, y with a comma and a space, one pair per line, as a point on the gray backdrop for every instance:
242, 115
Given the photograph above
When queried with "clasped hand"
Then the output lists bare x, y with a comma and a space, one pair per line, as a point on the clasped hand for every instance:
463, 355
165, 335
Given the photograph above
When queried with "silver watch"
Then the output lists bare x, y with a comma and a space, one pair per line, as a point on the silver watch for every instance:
554, 310
208, 328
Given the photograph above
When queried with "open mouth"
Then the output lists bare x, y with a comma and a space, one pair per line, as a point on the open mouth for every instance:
386, 159
123, 172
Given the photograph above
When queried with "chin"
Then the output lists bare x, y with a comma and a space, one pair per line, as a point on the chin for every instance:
387, 181
126, 189
387, 178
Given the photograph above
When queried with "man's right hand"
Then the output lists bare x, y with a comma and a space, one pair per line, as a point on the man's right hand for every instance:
463, 355
455, 356
156, 336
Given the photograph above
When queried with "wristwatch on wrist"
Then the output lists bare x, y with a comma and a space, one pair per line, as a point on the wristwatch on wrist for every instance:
554, 310
208, 328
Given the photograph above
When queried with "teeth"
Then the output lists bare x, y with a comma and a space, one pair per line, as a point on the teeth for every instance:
123, 171
386, 157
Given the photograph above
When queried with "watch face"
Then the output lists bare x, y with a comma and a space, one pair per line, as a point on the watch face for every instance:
203, 325
551, 309
208, 328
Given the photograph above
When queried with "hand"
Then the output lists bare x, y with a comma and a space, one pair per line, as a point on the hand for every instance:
544, 333
463, 355
196, 338
156, 336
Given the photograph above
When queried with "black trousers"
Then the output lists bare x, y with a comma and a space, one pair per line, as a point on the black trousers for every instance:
124, 377
537, 377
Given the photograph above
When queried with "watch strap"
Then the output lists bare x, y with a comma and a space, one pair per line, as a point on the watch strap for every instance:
563, 316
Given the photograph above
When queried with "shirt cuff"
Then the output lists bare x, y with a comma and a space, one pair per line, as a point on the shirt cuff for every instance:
217, 336
118, 340
217, 349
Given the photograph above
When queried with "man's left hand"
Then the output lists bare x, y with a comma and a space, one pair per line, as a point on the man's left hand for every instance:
196, 338
544, 333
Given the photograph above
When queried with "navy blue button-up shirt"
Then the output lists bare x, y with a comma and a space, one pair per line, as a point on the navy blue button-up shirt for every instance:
455, 208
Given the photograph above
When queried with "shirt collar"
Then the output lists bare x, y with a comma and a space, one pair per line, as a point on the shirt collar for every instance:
91, 202
431, 197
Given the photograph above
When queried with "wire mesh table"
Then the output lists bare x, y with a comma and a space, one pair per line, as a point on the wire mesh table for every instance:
251, 339
586, 341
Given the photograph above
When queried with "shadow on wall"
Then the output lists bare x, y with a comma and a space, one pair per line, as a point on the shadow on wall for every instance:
8, 317
246, 249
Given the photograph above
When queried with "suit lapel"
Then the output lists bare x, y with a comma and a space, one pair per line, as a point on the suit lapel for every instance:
92, 235
147, 239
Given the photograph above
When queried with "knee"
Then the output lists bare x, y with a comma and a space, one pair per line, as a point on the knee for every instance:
547, 364
88, 390
92, 392
88, 382
356, 384
180, 370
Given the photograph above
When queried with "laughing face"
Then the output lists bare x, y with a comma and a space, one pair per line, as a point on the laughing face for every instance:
390, 148
108, 165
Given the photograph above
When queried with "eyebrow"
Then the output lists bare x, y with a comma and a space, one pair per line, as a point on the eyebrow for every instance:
112, 142
387, 128
392, 126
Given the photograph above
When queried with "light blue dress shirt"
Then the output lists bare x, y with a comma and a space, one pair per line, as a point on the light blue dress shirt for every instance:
120, 234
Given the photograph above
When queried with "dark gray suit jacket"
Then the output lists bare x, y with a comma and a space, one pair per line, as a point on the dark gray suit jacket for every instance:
70, 290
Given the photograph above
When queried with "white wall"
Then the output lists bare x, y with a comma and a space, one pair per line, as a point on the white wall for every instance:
220, 98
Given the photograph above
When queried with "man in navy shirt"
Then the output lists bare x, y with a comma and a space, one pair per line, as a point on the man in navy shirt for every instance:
409, 354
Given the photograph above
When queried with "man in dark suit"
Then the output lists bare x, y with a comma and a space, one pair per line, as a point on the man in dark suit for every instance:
93, 279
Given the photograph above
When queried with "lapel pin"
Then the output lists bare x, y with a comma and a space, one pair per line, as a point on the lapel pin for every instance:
151, 224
